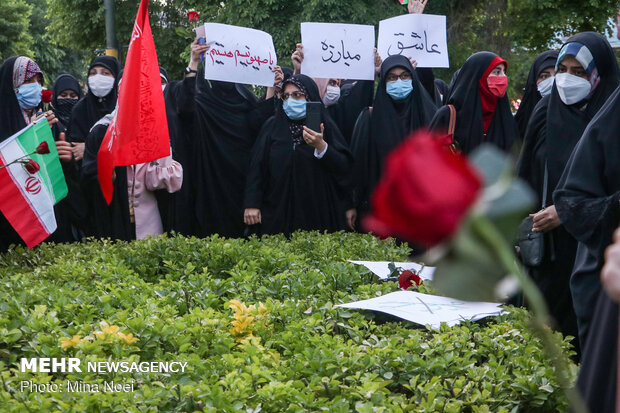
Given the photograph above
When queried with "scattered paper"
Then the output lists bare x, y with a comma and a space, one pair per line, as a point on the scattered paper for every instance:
381, 269
426, 309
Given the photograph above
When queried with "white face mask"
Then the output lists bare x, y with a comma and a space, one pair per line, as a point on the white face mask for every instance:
545, 86
100, 85
572, 89
331, 95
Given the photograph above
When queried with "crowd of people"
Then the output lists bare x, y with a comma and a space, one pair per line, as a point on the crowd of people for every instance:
243, 165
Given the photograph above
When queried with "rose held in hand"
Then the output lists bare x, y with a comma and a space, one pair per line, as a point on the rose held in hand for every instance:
43, 148
31, 166
425, 192
46, 96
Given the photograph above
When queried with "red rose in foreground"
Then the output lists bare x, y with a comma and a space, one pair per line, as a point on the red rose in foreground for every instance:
32, 167
406, 277
193, 16
424, 193
46, 96
43, 148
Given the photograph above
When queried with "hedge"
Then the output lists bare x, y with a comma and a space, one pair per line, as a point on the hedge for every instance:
255, 321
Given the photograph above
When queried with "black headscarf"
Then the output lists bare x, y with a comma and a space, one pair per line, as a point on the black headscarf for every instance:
427, 78
464, 94
63, 109
90, 109
531, 95
11, 118
565, 124
391, 121
443, 88
163, 72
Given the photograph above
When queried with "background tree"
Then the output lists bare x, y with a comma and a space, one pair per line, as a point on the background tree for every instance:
14, 36
515, 29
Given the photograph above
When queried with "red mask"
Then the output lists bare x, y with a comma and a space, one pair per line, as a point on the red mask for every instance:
498, 85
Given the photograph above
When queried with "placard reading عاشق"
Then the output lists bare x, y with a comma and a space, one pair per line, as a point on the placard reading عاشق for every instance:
421, 37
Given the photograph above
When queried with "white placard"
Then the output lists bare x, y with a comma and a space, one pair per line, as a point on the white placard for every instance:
381, 268
338, 51
421, 37
239, 55
427, 309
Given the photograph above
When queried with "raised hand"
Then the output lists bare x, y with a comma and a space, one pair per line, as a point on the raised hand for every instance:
315, 139
297, 58
416, 6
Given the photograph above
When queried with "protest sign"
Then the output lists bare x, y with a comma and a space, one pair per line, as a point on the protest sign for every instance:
381, 268
339, 51
239, 55
427, 309
421, 37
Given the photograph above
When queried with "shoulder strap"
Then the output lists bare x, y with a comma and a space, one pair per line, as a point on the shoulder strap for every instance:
545, 184
452, 124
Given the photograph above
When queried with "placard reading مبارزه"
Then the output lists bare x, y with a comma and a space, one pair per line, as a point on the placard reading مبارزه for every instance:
421, 37
239, 55
338, 51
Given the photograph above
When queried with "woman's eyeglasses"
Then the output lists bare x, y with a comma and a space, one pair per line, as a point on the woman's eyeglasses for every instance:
391, 77
295, 95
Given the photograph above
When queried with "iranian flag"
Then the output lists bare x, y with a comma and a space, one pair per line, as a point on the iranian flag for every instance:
27, 199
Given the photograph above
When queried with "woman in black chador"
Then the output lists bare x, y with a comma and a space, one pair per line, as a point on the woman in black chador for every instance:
298, 177
553, 131
539, 84
401, 106
588, 203
223, 120
478, 93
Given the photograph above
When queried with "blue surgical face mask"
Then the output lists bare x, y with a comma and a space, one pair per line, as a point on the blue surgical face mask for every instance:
399, 89
295, 109
29, 95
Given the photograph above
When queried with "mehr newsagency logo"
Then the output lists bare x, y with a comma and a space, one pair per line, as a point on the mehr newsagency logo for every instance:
75, 365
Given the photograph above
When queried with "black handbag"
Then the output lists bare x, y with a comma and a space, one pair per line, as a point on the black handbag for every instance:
532, 244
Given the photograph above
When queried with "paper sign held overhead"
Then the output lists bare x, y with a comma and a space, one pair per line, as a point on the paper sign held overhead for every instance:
239, 55
427, 309
421, 37
338, 51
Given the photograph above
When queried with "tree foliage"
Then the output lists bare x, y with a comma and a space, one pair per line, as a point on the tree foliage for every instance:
515, 29
14, 36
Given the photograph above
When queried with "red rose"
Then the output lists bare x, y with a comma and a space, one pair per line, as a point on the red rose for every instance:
43, 148
405, 278
425, 191
46, 96
193, 16
31, 166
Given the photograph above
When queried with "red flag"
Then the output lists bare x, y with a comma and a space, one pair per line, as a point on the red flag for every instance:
138, 132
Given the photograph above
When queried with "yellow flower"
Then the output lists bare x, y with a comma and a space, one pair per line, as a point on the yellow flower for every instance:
128, 338
110, 330
70, 342
99, 335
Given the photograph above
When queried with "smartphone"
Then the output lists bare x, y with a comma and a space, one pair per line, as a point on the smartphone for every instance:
313, 115
200, 34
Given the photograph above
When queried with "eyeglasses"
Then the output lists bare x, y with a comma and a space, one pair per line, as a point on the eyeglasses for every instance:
393, 77
295, 95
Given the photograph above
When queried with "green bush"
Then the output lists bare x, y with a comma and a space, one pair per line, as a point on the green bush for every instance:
255, 321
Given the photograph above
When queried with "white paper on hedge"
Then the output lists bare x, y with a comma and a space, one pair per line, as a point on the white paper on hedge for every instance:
427, 309
338, 51
239, 55
421, 37
381, 269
